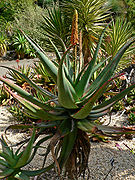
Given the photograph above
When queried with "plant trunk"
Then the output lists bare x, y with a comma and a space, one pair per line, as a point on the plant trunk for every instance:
77, 163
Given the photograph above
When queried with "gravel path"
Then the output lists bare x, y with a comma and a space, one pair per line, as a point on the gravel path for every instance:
25, 62
13, 63
102, 154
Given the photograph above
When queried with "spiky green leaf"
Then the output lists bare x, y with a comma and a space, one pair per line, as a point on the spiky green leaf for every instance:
48, 64
38, 172
85, 110
36, 111
67, 146
94, 128
26, 153
109, 103
66, 92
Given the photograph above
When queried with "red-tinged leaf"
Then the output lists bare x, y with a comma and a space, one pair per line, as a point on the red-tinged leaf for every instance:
25, 94
86, 109
91, 127
93, 111
35, 110
116, 130
109, 103
97, 115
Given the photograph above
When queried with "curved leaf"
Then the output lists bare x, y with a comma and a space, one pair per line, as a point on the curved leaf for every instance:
94, 128
6, 173
25, 94
93, 116
49, 65
36, 111
38, 172
85, 110
26, 153
38, 146
66, 92
56, 51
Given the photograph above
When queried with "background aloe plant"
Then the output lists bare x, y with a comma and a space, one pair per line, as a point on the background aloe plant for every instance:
11, 163
73, 109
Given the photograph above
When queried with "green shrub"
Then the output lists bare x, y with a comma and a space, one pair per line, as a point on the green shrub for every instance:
131, 12
28, 17
131, 118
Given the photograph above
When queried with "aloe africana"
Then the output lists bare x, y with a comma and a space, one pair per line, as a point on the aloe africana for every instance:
75, 107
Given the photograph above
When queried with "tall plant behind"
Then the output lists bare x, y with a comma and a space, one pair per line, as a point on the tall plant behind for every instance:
6, 10
55, 28
123, 8
46, 3
28, 16
117, 35
92, 17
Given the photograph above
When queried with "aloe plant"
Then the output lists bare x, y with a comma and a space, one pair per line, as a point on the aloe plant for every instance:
72, 111
16, 78
22, 47
11, 163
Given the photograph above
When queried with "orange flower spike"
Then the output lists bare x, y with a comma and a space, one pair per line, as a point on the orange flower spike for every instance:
74, 33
